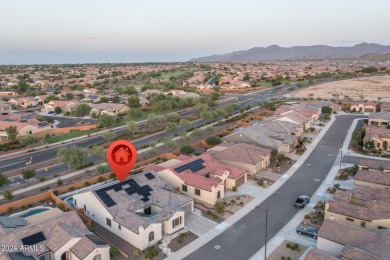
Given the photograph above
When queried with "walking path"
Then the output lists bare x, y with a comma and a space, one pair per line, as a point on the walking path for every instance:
202, 240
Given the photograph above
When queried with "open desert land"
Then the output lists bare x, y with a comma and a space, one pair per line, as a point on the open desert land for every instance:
370, 88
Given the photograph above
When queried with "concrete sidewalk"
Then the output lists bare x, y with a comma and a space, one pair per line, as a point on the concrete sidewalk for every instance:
202, 240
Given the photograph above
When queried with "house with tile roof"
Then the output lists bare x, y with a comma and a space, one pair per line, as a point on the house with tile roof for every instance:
380, 136
140, 210
64, 105
25, 123
62, 237
365, 107
111, 109
363, 206
374, 165
379, 119
5, 106
338, 240
293, 117
201, 177
260, 136
26, 102
375, 179
245, 156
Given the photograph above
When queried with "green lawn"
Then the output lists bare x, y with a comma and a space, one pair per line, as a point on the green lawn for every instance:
167, 75
70, 135
123, 121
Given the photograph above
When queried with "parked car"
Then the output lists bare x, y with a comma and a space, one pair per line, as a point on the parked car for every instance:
302, 201
307, 231
51, 112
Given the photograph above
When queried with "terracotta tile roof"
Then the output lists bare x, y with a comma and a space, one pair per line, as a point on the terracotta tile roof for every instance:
363, 193
345, 234
373, 104
375, 164
373, 177
373, 210
316, 254
244, 153
376, 132
349, 252
380, 115
83, 248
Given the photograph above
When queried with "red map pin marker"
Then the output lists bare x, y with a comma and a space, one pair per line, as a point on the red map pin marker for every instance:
121, 156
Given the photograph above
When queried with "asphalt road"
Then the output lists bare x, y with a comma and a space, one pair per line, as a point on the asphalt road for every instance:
19, 161
243, 239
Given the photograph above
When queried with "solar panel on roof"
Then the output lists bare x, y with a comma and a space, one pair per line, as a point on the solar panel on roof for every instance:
189, 165
19, 256
149, 176
97, 240
33, 239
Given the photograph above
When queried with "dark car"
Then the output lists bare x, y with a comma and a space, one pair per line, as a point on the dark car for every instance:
51, 112
302, 201
307, 231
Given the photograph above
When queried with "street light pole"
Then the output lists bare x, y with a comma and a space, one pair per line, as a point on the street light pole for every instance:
266, 231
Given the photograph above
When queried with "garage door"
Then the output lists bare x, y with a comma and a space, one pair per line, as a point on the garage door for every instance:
240, 180
369, 110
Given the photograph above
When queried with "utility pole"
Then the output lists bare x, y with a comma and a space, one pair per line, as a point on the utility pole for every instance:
266, 231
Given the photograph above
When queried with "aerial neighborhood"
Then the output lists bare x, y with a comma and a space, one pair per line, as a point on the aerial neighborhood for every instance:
219, 145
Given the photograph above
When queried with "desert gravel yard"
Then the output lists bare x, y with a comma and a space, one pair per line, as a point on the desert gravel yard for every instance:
369, 88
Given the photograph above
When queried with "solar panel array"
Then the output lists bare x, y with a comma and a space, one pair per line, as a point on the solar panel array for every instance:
19, 256
12, 222
134, 188
149, 176
194, 166
33, 239
97, 240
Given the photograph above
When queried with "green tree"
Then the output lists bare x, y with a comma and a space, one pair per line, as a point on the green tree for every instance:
57, 110
206, 116
170, 127
184, 122
134, 113
72, 156
69, 96
201, 107
28, 140
46, 138
3, 179
103, 100
168, 142
173, 117
197, 132
326, 110
8, 195
219, 206
102, 169
98, 152
133, 127
109, 135
28, 174
106, 121
133, 101
12, 133
81, 110
187, 149
213, 140
154, 120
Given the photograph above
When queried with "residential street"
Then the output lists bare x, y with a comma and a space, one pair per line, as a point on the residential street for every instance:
246, 236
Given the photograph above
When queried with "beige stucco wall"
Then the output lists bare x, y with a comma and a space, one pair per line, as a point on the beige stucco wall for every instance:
104, 252
378, 121
26, 130
370, 225
370, 184
329, 246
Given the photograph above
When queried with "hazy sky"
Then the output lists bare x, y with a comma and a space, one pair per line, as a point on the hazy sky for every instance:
81, 31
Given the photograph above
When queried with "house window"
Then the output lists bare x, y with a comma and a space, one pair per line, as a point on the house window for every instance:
218, 194
380, 227
184, 188
148, 210
151, 236
108, 221
46, 256
176, 222
197, 192
350, 219
75, 202
85, 207
363, 224
97, 257
119, 227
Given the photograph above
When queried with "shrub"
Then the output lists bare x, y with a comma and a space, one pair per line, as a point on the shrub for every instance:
59, 182
187, 149
213, 140
182, 235
180, 241
308, 217
150, 252
288, 245
219, 206
41, 178
234, 188
136, 253
114, 251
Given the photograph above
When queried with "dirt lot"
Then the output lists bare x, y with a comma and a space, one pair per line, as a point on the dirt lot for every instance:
288, 253
357, 89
